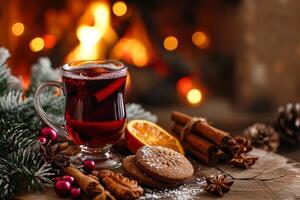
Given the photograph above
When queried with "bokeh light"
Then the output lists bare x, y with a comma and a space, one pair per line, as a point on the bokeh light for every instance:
184, 85
36, 44
119, 8
200, 39
171, 43
194, 96
49, 41
17, 28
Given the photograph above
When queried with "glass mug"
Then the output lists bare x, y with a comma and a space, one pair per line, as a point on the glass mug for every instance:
95, 115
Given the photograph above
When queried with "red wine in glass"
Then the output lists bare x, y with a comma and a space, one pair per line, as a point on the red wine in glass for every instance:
95, 110
95, 113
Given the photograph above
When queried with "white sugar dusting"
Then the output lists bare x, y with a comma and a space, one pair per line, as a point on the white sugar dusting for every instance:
189, 190
183, 192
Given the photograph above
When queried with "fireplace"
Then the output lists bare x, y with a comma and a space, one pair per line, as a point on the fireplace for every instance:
178, 53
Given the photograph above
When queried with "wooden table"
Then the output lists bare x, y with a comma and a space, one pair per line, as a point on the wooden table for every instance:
272, 177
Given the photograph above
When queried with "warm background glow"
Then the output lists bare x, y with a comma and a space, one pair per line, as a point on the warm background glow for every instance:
49, 41
184, 85
200, 39
119, 8
36, 44
171, 43
134, 49
17, 29
194, 96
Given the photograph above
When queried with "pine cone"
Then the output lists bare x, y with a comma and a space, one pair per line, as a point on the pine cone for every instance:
287, 123
262, 137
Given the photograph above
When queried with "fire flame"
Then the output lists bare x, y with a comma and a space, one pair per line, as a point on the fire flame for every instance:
132, 50
99, 40
94, 40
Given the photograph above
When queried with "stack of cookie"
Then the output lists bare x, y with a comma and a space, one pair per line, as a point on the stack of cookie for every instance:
158, 167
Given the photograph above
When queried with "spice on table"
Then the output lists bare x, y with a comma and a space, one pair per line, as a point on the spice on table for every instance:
218, 184
209, 144
119, 185
89, 186
243, 162
244, 143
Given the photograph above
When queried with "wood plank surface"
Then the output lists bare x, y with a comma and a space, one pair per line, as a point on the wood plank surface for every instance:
272, 177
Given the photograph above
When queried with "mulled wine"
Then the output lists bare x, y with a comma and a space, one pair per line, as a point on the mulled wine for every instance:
95, 110
95, 113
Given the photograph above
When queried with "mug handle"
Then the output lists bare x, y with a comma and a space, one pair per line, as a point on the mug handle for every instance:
59, 128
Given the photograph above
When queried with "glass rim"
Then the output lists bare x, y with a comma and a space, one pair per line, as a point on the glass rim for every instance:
118, 68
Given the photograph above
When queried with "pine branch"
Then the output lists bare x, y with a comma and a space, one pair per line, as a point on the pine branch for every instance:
13, 106
4, 70
12, 100
22, 168
136, 111
41, 72
21, 165
7, 80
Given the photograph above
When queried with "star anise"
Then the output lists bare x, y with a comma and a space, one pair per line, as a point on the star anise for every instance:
53, 154
244, 143
218, 184
243, 162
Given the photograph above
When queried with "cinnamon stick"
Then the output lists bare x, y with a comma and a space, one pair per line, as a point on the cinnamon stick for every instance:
204, 158
203, 129
89, 185
198, 143
110, 89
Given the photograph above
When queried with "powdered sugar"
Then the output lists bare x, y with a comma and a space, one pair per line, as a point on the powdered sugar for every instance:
186, 191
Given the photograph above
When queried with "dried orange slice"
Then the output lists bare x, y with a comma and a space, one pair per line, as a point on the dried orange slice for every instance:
141, 132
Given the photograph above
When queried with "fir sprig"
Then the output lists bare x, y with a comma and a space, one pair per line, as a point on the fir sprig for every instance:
4, 70
22, 168
7, 80
21, 165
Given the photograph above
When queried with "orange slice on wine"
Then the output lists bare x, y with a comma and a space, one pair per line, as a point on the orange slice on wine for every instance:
141, 132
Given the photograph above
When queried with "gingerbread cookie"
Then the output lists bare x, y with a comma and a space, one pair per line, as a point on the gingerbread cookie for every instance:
130, 167
163, 164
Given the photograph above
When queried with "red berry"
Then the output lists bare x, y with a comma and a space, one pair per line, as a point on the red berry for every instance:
68, 178
43, 140
57, 179
62, 188
75, 193
48, 133
88, 165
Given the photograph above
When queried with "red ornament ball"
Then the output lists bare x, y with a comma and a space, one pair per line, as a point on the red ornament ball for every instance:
48, 133
43, 140
68, 178
88, 165
75, 193
62, 188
